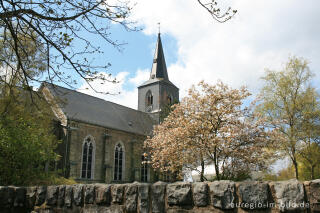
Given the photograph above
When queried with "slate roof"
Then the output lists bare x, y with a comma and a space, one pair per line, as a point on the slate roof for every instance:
82, 107
159, 67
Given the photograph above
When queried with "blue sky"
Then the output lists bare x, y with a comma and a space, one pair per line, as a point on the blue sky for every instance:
137, 53
263, 34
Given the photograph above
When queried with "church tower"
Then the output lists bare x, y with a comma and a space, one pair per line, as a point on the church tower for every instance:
158, 92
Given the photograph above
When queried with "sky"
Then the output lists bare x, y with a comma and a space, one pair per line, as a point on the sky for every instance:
263, 34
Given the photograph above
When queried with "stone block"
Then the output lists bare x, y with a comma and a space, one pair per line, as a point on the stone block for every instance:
222, 194
31, 195
110, 209
200, 194
89, 194
6, 196
103, 194
61, 194
41, 195
289, 195
52, 195
158, 191
313, 194
77, 191
253, 195
68, 194
19, 197
179, 194
117, 191
143, 197
131, 195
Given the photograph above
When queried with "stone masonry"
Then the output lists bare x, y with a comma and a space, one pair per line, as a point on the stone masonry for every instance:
217, 196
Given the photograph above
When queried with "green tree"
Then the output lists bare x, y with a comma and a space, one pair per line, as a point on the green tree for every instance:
309, 153
31, 52
27, 142
285, 103
309, 161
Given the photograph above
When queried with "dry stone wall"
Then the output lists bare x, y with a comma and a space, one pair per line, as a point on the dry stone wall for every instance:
181, 197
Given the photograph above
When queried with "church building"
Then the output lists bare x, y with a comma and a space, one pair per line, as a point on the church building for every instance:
103, 141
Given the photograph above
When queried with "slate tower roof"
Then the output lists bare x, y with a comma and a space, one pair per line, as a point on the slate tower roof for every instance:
159, 67
157, 92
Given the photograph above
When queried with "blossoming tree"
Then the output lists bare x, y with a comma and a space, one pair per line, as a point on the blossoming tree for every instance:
211, 127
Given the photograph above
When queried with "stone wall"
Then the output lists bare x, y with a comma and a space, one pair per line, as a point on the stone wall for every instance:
218, 196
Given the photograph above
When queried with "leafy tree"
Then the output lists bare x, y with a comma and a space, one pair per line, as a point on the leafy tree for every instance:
309, 161
27, 142
32, 57
287, 99
210, 126
309, 135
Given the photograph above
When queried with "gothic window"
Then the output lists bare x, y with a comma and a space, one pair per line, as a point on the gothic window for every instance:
144, 169
88, 150
118, 162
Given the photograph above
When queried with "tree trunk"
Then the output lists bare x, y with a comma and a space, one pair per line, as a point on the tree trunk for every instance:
312, 172
295, 164
216, 166
46, 167
202, 171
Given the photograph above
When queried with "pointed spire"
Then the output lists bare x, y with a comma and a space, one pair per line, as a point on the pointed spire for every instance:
159, 68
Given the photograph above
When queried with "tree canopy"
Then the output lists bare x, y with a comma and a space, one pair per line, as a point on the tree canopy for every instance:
211, 127
27, 142
291, 105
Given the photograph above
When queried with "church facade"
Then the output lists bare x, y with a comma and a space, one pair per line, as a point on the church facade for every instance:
103, 141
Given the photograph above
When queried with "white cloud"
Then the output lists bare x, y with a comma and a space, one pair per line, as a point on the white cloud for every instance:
262, 35
140, 77
120, 95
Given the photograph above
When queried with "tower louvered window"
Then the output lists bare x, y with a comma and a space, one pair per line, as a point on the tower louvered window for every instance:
87, 159
118, 162
149, 98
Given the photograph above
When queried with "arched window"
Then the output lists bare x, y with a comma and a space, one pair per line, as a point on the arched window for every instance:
149, 101
149, 98
144, 169
118, 162
88, 151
